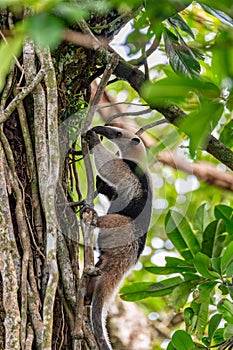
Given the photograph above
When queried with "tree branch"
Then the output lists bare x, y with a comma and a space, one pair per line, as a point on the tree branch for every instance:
172, 113
87, 40
151, 125
4, 114
206, 172
108, 107
141, 60
127, 114
111, 65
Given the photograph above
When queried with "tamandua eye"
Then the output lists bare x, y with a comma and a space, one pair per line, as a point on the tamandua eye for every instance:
118, 134
135, 141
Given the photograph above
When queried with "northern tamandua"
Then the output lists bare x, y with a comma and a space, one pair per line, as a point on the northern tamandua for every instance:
126, 181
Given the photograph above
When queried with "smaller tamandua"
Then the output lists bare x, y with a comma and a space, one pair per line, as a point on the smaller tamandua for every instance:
126, 181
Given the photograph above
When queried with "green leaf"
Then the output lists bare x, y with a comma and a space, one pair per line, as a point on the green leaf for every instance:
136, 40
208, 238
176, 89
228, 332
182, 341
220, 239
166, 270
202, 317
188, 318
142, 290
203, 122
45, 29
173, 262
213, 325
70, 11
178, 21
222, 16
225, 307
163, 10
180, 56
205, 290
218, 335
199, 218
181, 235
224, 289
223, 211
226, 135
180, 294
227, 258
220, 58
8, 52
230, 289
229, 270
170, 346
204, 267
216, 264
196, 308
213, 238
188, 276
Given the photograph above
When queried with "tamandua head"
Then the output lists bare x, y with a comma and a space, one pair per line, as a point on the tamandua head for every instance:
130, 145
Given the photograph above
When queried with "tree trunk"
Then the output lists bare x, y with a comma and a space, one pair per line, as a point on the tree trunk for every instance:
41, 300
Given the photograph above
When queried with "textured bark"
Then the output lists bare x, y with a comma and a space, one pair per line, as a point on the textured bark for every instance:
41, 288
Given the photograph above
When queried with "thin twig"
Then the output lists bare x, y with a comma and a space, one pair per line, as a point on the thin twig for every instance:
96, 44
7, 89
146, 68
126, 114
113, 60
89, 172
151, 125
79, 193
4, 115
141, 60
62, 328
15, 58
109, 105
68, 311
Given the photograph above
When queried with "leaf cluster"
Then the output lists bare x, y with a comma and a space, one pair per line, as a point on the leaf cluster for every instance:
198, 279
203, 90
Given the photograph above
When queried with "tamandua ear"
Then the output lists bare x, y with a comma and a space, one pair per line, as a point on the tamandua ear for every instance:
135, 141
